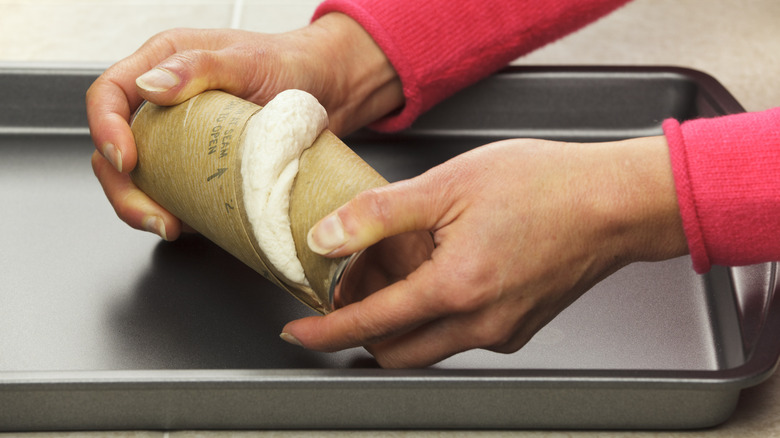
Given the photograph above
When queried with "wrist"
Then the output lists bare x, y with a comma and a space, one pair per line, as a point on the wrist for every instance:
364, 85
641, 202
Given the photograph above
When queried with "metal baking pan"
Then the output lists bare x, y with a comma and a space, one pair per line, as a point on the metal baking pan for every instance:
104, 327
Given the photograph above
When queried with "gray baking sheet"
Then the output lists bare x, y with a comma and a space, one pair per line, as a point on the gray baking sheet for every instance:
105, 327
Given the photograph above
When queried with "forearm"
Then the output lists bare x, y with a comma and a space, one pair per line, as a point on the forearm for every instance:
439, 47
638, 197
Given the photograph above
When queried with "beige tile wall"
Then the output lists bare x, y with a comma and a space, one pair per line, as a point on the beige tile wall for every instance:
104, 31
737, 41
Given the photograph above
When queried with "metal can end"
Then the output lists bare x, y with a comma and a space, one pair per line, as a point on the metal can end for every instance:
378, 266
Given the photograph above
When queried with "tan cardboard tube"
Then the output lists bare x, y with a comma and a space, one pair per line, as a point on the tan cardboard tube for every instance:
189, 161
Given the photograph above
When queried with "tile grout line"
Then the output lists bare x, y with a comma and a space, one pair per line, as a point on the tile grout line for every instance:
235, 19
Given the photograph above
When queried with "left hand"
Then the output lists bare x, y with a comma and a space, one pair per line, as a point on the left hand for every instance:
522, 229
333, 58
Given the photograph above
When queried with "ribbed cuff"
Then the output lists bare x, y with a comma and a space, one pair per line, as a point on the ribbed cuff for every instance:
727, 172
685, 200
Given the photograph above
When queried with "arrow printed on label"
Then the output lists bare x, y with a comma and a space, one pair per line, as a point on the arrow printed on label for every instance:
217, 174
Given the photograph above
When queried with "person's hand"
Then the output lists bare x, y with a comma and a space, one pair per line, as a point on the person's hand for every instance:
334, 59
522, 228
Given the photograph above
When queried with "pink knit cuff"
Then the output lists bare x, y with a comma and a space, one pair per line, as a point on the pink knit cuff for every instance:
682, 181
727, 172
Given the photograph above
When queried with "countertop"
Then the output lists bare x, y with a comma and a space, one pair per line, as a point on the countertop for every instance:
737, 42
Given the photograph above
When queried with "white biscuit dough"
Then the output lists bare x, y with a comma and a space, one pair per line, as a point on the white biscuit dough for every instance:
275, 139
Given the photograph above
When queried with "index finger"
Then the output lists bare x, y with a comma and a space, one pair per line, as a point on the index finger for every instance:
111, 100
392, 311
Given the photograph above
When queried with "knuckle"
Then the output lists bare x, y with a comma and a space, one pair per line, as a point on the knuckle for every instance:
364, 329
492, 335
395, 358
388, 360
171, 36
167, 40
97, 162
190, 58
375, 204
514, 342
506, 348
128, 202
122, 208
463, 302
466, 290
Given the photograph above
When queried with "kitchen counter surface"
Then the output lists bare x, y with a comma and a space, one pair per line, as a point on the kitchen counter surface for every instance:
736, 42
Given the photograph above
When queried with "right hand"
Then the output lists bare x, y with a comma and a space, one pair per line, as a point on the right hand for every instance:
522, 229
334, 59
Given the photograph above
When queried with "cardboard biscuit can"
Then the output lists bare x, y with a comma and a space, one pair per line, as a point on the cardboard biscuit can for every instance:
189, 161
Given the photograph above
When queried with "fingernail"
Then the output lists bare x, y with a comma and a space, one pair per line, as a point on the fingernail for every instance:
157, 80
291, 339
113, 155
327, 235
155, 224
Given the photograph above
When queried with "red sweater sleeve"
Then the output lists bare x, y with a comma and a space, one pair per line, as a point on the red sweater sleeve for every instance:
727, 169
727, 176
441, 46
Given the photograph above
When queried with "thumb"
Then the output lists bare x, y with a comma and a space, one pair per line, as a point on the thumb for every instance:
374, 215
186, 74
